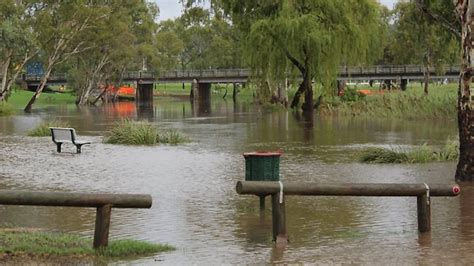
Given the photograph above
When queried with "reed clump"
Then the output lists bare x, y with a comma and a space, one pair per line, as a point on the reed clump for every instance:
42, 130
422, 154
128, 132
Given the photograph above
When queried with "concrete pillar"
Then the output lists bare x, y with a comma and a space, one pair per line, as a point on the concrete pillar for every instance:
144, 93
201, 98
403, 84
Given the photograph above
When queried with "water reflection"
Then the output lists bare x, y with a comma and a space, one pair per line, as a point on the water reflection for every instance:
145, 111
195, 206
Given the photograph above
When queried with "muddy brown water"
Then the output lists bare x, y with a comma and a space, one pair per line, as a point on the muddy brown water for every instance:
195, 206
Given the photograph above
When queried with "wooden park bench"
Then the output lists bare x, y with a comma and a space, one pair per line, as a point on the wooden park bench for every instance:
61, 135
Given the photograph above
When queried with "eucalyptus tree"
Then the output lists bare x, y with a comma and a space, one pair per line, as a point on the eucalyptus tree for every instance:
207, 40
465, 168
456, 17
118, 40
312, 38
58, 29
17, 44
416, 39
168, 49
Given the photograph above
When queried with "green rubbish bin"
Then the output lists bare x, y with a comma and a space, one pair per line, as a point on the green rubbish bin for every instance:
262, 166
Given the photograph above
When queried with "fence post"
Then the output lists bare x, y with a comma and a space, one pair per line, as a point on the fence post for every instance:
424, 213
279, 219
102, 224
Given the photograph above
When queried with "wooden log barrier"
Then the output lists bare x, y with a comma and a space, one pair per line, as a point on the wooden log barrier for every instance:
103, 202
422, 192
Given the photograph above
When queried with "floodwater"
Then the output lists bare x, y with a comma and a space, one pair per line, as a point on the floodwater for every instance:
195, 206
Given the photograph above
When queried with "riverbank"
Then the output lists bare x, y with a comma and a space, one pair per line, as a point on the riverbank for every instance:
410, 104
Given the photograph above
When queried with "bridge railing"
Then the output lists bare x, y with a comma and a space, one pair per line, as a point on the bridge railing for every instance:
345, 71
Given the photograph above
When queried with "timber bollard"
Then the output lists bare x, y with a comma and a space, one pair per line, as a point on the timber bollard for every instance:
103, 202
422, 192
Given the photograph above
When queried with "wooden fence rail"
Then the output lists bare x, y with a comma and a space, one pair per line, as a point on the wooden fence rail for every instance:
278, 190
103, 202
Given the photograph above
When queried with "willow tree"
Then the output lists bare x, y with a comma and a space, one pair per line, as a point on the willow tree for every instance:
312, 38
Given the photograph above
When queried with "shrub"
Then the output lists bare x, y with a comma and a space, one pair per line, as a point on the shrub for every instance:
42, 130
422, 154
128, 132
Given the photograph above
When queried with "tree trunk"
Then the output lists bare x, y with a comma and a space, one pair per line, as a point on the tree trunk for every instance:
308, 96
40, 88
296, 97
3, 88
426, 79
465, 167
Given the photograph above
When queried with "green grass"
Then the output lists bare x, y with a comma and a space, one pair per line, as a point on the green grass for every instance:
42, 130
128, 132
19, 98
6, 109
422, 154
59, 244
218, 90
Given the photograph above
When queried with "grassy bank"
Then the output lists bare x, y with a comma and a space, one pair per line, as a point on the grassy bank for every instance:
59, 244
217, 90
19, 98
411, 104
422, 154
128, 132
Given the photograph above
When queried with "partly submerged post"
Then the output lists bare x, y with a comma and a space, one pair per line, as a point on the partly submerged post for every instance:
424, 213
102, 225
423, 192
279, 219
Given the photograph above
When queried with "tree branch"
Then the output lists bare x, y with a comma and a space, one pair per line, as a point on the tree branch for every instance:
444, 22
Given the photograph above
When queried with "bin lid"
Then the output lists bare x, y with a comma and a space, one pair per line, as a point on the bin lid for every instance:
263, 153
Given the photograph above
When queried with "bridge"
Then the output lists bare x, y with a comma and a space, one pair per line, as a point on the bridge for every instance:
202, 79
411, 72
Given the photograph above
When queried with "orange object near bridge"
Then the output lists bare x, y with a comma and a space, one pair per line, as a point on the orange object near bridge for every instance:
129, 91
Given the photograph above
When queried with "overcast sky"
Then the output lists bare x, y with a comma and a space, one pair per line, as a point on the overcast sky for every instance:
172, 8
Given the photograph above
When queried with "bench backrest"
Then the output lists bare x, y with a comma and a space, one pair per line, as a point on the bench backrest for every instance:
61, 134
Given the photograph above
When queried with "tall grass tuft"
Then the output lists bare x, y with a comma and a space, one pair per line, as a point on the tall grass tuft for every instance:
42, 130
128, 132
172, 136
422, 154
383, 155
6, 109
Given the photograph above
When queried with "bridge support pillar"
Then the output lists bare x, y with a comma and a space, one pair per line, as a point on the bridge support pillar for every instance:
200, 91
201, 97
144, 93
403, 84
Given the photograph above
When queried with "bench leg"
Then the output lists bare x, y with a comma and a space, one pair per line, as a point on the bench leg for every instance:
58, 146
78, 148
